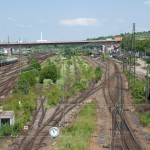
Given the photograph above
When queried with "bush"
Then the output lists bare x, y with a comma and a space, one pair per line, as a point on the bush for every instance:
26, 79
30, 77
7, 130
21, 86
78, 86
137, 90
145, 118
54, 96
36, 65
49, 72
98, 74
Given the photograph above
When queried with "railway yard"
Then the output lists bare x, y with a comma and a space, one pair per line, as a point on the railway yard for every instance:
8, 75
75, 75
117, 125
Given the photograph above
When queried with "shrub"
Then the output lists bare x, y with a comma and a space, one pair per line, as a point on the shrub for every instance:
98, 74
26, 79
7, 130
49, 72
137, 90
36, 65
54, 95
145, 118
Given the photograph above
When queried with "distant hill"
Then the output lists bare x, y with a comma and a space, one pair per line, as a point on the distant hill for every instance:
139, 36
143, 35
104, 37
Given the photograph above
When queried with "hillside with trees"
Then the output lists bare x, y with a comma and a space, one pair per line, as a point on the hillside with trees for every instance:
139, 36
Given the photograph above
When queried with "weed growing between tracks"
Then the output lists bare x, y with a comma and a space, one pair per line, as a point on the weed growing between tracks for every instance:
145, 118
79, 134
137, 90
25, 104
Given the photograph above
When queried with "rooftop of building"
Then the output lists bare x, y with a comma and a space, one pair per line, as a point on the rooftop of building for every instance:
6, 114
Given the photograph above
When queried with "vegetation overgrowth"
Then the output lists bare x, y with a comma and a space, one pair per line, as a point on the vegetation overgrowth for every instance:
53, 78
78, 134
138, 96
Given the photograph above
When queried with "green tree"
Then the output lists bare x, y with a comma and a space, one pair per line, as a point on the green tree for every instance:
21, 86
55, 95
30, 77
35, 64
49, 72
26, 79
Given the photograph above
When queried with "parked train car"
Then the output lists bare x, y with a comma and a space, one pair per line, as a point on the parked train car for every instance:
8, 61
44, 56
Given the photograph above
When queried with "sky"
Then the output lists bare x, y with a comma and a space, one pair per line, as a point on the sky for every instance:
67, 20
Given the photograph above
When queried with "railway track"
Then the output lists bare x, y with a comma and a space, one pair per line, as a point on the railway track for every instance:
35, 139
122, 135
8, 76
7, 86
139, 75
36, 122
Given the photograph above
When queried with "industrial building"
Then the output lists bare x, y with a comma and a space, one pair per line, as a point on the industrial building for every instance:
7, 117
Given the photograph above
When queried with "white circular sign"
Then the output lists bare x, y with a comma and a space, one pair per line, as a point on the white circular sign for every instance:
54, 131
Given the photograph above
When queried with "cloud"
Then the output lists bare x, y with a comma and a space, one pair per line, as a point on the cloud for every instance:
23, 26
147, 2
80, 22
11, 19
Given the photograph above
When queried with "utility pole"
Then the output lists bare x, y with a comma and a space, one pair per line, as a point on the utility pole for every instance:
19, 56
133, 50
63, 95
124, 52
130, 57
63, 73
146, 81
147, 89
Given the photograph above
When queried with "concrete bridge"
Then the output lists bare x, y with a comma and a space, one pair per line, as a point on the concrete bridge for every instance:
55, 43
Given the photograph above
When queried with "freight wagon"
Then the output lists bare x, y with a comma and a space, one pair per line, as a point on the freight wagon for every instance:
44, 56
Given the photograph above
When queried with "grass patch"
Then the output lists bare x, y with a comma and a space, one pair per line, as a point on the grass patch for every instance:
79, 134
137, 91
137, 88
145, 118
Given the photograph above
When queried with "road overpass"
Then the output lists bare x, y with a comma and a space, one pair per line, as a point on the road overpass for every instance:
31, 44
